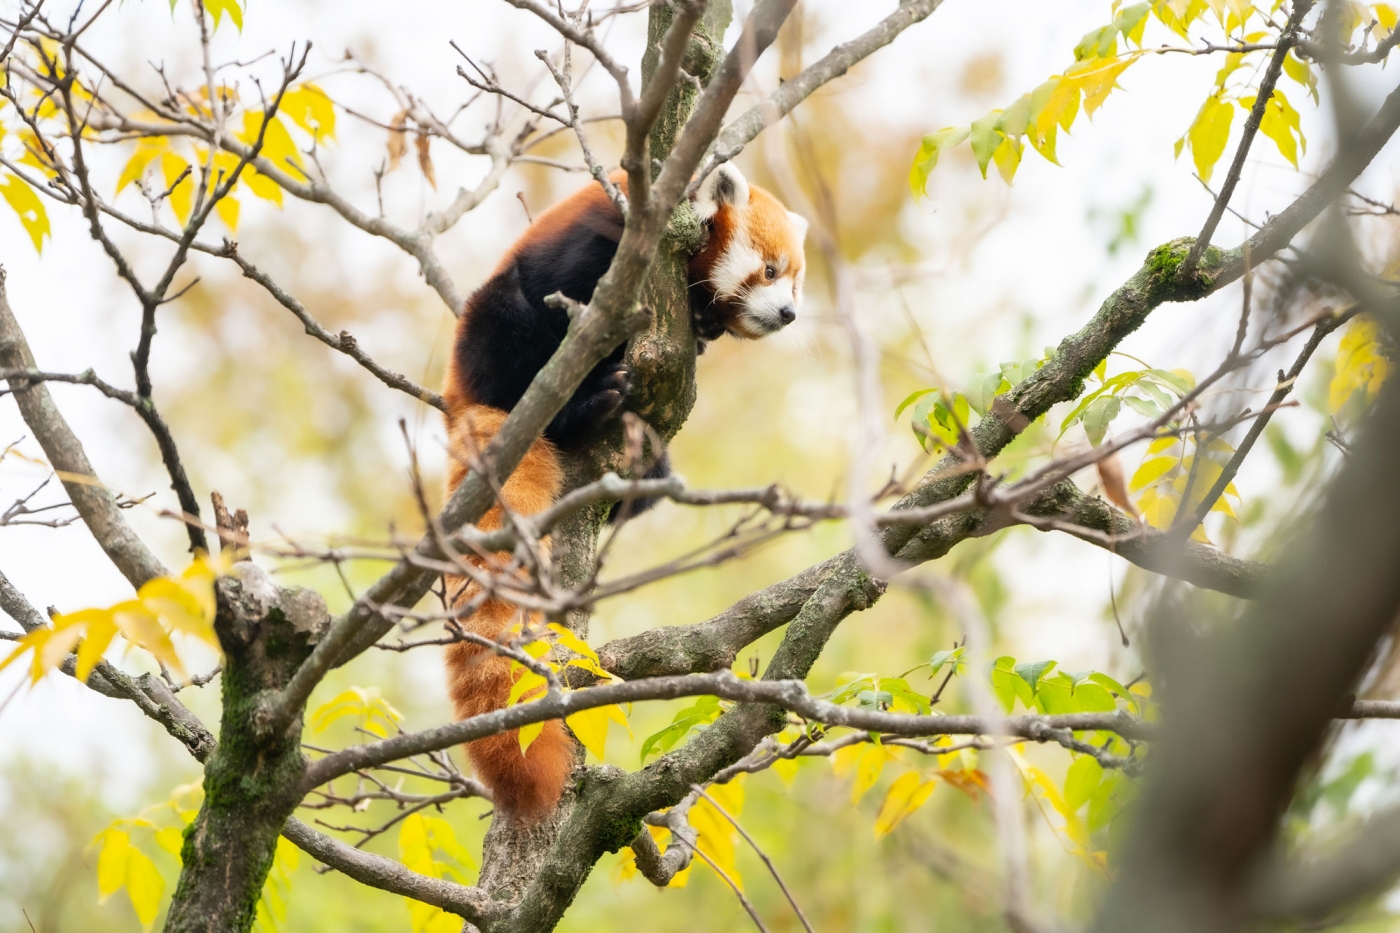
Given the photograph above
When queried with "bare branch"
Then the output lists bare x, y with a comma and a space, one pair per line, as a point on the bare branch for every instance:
94, 502
790, 695
343, 341
471, 904
1251, 128
833, 65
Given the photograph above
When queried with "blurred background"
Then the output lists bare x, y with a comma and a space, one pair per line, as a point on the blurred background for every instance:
975, 274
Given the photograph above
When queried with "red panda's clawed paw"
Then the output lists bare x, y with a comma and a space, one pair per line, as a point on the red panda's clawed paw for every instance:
705, 321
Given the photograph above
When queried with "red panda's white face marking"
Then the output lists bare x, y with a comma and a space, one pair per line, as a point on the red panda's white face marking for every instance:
753, 262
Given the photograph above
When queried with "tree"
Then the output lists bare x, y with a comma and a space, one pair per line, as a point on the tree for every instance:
1201, 853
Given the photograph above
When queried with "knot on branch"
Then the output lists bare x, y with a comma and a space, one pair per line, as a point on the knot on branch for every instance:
1166, 279
266, 632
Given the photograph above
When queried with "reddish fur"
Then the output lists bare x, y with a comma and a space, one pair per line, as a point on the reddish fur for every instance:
527, 785
765, 222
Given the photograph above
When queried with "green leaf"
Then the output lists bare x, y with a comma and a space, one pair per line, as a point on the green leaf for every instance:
1131, 21
902, 695
704, 711
1108, 683
932, 146
1004, 681
1018, 372
1179, 379
985, 139
943, 657
984, 390
1108, 800
1059, 694
1083, 779
1016, 118
1098, 416
910, 399
1142, 406
1032, 671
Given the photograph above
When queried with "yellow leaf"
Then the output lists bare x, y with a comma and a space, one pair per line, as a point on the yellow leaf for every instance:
528, 734
227, 208
527, 685
906, 794
1096, 79
217, 8
786, 769
172, 840
1007, 157
182, 196
26, 204
1209, 134
715, 838
98, 632
1162, 443
591, 728
144, 886
277, 145
178, 608
309, 108
868, 768
414, 850
111, 863
1151, 471
730, 795
571, 641
140, 626
146, 150
844, 759
1387, 16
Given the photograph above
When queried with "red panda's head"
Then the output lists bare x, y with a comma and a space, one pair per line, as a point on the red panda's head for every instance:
752, 263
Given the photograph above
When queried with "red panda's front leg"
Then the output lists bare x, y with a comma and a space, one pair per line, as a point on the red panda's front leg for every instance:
597, 400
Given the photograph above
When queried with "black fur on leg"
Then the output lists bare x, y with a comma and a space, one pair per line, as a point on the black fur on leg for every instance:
661, 469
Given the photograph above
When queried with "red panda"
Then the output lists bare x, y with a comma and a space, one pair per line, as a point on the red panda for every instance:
746, 280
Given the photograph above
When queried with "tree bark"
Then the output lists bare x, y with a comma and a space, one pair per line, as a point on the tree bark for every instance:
252, 782
662, 360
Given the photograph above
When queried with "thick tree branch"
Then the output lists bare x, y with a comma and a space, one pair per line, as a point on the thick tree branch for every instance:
610, 318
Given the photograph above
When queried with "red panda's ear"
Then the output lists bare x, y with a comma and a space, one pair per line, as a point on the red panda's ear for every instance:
725, 185
799, 225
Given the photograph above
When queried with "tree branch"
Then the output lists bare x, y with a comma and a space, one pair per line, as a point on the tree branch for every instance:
469, 903
791, 695
738, 134
1251, 128
94, 502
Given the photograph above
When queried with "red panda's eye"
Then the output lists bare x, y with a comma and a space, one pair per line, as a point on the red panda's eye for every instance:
770, 272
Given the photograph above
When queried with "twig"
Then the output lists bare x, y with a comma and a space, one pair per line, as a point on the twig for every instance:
772, 869
1286, 41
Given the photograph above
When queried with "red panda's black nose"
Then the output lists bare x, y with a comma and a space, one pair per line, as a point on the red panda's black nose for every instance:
787, 314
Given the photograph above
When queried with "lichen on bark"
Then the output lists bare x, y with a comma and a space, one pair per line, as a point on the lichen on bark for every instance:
252, 782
